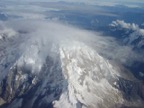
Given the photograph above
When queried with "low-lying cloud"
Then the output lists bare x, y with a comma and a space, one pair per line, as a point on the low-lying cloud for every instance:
41, 38
6, 32
133, 31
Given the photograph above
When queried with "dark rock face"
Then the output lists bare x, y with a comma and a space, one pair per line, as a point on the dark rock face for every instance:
15, 85
12, 86
32, 90
131, 90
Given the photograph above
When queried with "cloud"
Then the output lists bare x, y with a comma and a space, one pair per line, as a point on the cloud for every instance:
120, 24
38, 35
6, 32
41, 38
133, 31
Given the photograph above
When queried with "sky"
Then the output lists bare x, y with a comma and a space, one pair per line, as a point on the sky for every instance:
129, 3
85, 1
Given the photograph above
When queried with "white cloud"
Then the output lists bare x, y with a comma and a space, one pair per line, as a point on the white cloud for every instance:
6, 32
120, 24
43, 34
133, 30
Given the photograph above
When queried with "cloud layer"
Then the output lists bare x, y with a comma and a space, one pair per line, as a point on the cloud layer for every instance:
39, 36
34, 33
134, 34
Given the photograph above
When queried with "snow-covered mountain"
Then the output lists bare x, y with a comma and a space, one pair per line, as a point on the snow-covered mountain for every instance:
75, 77
49, 67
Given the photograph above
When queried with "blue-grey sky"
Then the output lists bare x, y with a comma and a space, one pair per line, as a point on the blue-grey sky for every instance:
88, 1
129, 3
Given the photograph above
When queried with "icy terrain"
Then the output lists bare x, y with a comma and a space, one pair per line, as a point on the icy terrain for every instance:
49, 64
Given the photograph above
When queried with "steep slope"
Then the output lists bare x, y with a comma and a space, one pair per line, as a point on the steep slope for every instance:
44, 67
74, 76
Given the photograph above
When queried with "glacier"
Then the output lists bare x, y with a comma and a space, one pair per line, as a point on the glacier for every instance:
50, 64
